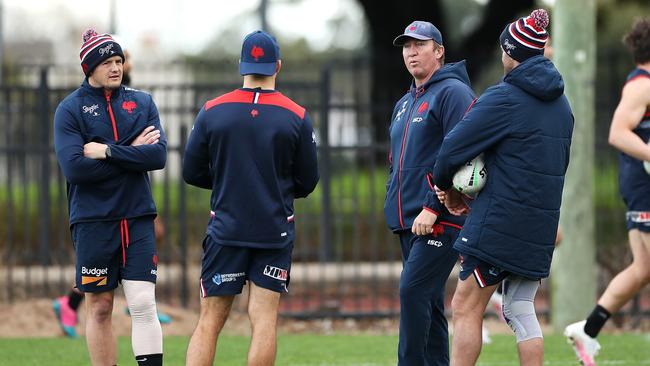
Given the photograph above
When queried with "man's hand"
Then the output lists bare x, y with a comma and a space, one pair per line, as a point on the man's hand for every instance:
453, 200
149, 136
423, 224
455, 203
95, 150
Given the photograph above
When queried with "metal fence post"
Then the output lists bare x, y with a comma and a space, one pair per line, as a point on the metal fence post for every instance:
324, 167
182, 216
44, 191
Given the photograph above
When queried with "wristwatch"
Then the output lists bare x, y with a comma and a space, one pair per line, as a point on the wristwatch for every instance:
108, 151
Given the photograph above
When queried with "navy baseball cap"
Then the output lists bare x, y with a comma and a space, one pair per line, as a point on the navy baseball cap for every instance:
419, 30
259, 54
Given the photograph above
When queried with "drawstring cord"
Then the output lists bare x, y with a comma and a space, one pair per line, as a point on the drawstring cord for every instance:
124, 239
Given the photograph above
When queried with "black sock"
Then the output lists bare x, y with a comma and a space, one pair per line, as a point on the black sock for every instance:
596, 321
74, 299
155, 359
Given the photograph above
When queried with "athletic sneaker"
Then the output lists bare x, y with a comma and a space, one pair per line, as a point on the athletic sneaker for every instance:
66, 316
585, 347
496, 301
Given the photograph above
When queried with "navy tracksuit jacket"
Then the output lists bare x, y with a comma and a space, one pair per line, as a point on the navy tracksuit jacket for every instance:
116, 188
256, 150
419, 123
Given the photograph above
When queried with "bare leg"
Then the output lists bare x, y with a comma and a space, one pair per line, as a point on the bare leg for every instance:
468, 306
99, 331
531, 352
263, 313
214, 312
628, 282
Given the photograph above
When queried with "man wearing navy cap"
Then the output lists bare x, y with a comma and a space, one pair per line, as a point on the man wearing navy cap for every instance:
438, 98
256, 150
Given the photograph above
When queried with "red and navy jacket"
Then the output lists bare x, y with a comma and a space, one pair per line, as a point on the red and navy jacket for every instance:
634, 182
256, 150
420, 121
118, 187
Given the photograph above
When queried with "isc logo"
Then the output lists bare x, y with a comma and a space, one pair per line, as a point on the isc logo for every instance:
435, 243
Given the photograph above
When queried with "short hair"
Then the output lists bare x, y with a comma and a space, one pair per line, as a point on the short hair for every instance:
436, 45
638, 40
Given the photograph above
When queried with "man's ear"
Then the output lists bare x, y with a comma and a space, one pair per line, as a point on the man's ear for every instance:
278, 66
440, 51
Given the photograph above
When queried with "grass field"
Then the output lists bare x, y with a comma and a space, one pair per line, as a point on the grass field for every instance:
321, 350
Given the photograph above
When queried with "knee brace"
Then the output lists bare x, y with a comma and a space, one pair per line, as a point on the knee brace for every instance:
146, 333
519, 307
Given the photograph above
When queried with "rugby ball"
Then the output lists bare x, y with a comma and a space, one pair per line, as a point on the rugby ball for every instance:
471, 177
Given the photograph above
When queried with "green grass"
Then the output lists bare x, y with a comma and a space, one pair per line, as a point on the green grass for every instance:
322, 350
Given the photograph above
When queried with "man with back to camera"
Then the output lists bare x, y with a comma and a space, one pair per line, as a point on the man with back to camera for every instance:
256, 150
629, 133
438, 98
523, 125
107, 138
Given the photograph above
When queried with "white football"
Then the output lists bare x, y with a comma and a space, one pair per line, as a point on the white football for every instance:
471, 177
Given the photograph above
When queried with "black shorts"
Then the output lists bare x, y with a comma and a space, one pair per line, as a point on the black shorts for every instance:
485, 273
639, 220
225, 269
109, 251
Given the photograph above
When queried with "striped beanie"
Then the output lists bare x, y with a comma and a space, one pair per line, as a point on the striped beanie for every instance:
526, 37
96, 48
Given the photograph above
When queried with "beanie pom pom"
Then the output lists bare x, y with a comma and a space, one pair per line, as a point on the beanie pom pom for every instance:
88, 34
540, 18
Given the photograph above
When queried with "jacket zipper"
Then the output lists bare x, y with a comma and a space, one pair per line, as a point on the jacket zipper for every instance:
401, 157
107, 94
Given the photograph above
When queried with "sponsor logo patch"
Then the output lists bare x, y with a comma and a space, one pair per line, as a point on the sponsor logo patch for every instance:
275, 272
402, 110
92, 110
98, 276
220, 278
106, 50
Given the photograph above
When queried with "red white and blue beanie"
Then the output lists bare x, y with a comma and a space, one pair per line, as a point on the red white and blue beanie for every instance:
526, 37
96, 48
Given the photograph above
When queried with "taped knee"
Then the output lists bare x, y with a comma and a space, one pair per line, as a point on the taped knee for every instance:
143, 308
519, 311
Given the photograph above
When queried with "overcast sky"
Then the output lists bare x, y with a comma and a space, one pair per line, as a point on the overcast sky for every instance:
181, 25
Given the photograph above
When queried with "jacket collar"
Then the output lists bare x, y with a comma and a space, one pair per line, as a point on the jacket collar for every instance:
99, 91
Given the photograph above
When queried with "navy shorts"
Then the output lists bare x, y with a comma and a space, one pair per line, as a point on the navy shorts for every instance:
638, 220
109, 251
225, 269
484, 273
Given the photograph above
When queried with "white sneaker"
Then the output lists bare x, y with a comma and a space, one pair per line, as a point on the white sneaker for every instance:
486, 336
585, 347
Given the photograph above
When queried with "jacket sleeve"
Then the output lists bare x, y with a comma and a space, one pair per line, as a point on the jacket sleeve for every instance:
143, 158
69, 148
455, 103
305, 173
485, 124
196, 160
